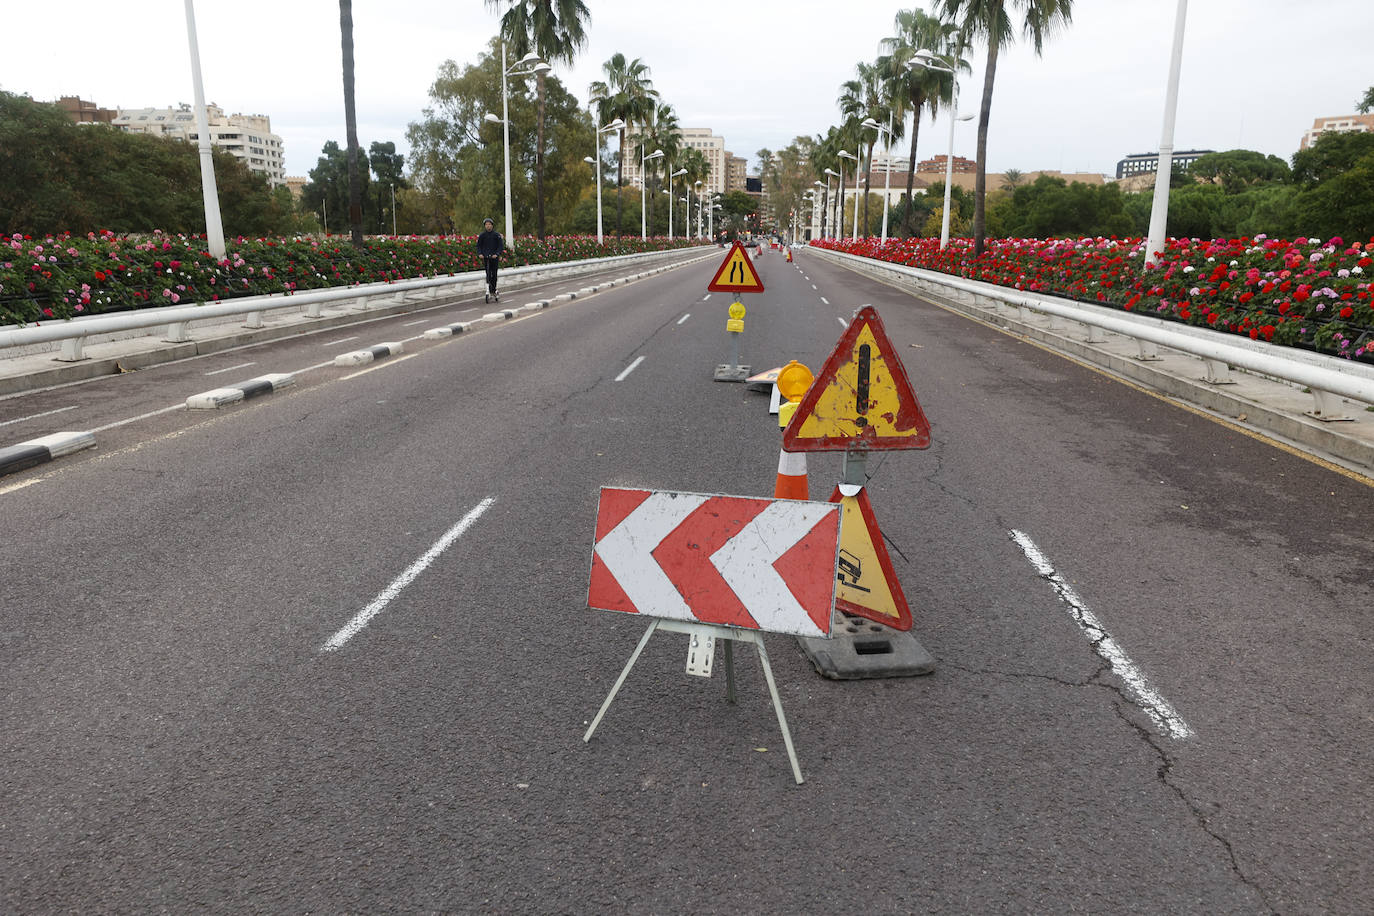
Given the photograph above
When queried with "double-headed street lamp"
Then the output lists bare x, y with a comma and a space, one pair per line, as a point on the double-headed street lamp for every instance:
887, 153
596, 164
923, 61
537, 66
678, 174
839, 218
700, 197
829, 174
643, 186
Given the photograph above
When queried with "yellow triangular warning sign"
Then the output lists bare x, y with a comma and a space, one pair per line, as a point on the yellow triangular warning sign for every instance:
861, 398
736, 274
865, 583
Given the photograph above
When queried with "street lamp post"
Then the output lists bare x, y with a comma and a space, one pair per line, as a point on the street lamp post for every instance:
214, 225
643, 190
887, 171
393, 209
678, 174
922, 60
537, 67
839, 217
1159, 208
829, 203
596, 165
700, 198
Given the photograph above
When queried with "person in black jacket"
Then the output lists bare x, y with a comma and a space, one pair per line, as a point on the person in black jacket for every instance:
489, 246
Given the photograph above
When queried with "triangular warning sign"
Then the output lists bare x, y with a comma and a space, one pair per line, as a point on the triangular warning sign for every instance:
736, 274
865, 583
861, 398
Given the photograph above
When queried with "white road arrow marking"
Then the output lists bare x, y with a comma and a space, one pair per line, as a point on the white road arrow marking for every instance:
627, 553
746, 561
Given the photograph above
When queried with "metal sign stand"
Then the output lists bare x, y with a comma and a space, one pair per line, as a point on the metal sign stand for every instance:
698, 662
733, 371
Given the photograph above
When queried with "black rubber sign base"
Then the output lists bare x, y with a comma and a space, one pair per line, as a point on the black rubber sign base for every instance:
860, 648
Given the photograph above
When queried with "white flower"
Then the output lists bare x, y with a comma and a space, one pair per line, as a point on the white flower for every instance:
1188, 268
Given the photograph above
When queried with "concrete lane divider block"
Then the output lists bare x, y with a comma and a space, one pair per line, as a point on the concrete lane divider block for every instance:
358, 357
38, 451
232, 394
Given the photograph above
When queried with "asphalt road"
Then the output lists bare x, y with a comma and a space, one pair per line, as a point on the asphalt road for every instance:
177, 736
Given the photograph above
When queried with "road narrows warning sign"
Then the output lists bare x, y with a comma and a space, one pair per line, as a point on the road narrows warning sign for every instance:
861, 399
736, 274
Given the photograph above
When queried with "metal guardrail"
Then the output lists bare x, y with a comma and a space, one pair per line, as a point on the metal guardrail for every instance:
1328, 377
73, 332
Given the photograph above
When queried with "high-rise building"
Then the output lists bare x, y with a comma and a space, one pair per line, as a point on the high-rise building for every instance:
736, 171
713, 148
248, 138
1353, 123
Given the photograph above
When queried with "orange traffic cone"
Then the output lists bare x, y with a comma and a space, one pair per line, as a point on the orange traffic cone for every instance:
791, 476
791, 465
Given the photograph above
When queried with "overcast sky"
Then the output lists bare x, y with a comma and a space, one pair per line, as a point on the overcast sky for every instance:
1255, 72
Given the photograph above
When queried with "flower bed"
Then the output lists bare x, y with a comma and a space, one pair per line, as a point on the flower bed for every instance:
64, 276
1305, 292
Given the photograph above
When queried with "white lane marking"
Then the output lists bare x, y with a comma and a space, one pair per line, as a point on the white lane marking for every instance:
390, 362
20, 485
1160, 711
144, 416
705, 297
231, 368
813, 286
684, 318
341, 340
49, 413
364, 617
630, 368
842, 322
825, 300
409, 323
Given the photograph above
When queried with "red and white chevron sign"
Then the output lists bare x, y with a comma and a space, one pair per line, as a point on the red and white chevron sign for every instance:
736, 561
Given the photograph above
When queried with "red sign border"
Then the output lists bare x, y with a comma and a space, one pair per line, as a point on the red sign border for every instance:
716, 286
910, 409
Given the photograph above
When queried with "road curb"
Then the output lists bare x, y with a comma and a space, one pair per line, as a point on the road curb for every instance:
232, 394
1262, 414
359, 357
42, 450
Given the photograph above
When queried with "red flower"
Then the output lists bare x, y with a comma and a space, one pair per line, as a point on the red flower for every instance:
1347, 312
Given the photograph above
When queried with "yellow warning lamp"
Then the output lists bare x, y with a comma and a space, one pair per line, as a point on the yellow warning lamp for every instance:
737, 310
793, 380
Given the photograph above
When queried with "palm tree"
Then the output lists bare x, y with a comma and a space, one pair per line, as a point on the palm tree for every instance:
993, 21
920, 88
355, 192
555, 30
1011, 179
862, 98
628, 94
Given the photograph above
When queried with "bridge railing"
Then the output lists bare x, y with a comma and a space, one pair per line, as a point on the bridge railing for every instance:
1328, 377
74, 332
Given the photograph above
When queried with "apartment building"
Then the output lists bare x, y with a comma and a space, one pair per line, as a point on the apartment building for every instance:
736, 172
248, 138
1141, 163
1353, 123
699, 138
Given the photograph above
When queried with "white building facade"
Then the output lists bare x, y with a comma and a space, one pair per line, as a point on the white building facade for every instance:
248, 138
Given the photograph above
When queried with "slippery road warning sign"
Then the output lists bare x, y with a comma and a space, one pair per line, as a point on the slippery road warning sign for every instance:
736, 274
861, 398
866, 583
733, 561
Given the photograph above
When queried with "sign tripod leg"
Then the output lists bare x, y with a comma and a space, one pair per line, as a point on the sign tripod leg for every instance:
730, 671
730, 635
620, 681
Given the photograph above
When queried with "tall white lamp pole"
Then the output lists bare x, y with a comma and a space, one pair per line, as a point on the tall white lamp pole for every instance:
214, 224
1159, 209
